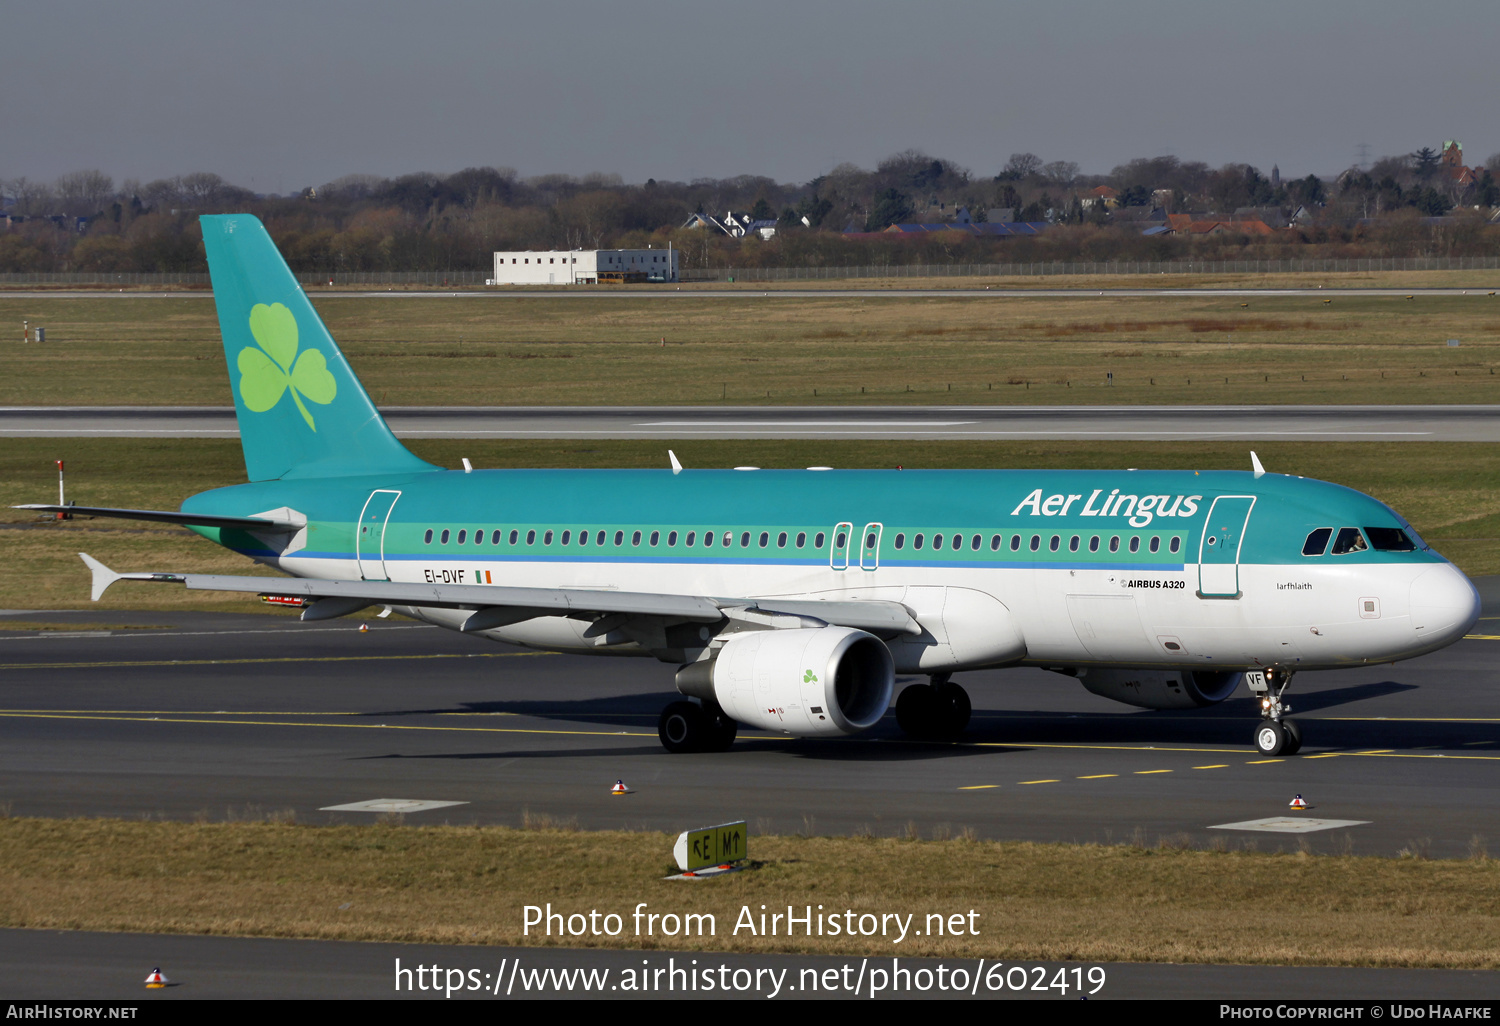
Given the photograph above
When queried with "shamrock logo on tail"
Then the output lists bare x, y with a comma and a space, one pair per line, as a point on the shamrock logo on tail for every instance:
809, 677
275, 367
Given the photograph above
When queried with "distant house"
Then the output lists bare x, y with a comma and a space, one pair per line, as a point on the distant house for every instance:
1001, 228
704, 221
1100, 194
999, 215
734, 225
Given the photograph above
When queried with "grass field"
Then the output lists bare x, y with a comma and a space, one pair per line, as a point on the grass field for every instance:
769, 349
390, 882
1449, 491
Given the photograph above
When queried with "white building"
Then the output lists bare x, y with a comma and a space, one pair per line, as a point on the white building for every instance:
584, 266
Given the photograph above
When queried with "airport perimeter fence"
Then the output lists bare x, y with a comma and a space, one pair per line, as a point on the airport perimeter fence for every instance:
1058, 268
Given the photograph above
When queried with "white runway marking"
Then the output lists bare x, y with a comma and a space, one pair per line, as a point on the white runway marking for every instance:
390, 805
1291, 824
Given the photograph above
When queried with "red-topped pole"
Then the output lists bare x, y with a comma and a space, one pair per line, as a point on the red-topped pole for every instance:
60, 501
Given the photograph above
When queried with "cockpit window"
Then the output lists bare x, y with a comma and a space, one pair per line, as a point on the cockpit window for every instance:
1390, 539
1317, 542
1349, 540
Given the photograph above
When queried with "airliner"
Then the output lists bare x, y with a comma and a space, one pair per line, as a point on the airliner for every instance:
790, 601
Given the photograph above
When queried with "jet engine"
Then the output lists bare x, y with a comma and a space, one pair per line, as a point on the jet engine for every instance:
1159, 689
811, 682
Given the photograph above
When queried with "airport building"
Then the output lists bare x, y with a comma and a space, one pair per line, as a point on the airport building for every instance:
585, 266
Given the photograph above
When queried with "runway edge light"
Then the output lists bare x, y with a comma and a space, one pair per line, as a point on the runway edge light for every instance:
155, 980
619, 788
1297, 803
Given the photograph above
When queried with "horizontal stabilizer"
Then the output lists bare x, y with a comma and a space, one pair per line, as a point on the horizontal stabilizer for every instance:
168, 517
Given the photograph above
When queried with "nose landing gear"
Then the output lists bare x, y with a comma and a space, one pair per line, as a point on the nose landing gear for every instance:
933, 712
1275, 735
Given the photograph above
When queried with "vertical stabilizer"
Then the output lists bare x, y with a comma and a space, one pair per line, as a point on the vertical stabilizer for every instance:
301, 410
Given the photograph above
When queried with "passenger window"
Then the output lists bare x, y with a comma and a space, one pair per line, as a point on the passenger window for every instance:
869, 541
744, 539
958, 542
583, 537
975, 542
729, 538
546, 538
801, 539
513, 536
479, 536
708, 539
1135, 545
671, 538
599, 538
461, 536
1114, 543
1390, 539
1349, 540
444, 536
635, 539
1094, 543
1317, 542
781, 540
1155, 543
1175, 544
495, 538
1056, 541
818, 541
619, 538
937, 541
655, 537
427, 538
1036, 542
692, 536
1073, 544
765, 538
841, 540
900, 541
530, 538
994, 543
1015, 543
916, 542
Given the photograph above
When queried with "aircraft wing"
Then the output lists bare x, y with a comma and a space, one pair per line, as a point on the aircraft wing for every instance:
497, 606
169, 517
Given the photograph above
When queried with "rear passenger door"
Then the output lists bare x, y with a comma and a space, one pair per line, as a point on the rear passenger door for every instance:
838, 546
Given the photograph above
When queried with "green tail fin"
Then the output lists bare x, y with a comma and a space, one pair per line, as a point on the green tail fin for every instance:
301, 410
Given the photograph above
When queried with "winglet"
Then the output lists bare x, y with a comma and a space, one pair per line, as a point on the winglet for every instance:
103, 575
1255, 464
676, 467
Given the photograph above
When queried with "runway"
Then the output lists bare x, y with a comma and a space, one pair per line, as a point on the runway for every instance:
219, 715
1145, 423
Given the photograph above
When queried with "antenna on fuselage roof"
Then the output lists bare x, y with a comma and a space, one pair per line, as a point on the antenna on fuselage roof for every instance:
1255, 464
676, 466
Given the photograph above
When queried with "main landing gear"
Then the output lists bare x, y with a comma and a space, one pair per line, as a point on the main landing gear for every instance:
933, 712
690, 727
1275, 735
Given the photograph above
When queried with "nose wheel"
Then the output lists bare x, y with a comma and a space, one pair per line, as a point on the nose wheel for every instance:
1276, 735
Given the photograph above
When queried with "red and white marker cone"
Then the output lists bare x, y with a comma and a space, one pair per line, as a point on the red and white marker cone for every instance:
1297, 803
156, 980
364, 628
619, 788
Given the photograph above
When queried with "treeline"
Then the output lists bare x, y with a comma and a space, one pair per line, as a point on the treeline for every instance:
430, 222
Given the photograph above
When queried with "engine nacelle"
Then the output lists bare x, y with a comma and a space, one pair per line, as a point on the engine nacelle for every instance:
811, 682
1159, 689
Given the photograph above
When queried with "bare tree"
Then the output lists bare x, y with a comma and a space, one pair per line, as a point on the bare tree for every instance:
84, 192
1022, 165
32, 198
1063, 172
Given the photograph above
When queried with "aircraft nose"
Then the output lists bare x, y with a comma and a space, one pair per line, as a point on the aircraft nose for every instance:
1444, 605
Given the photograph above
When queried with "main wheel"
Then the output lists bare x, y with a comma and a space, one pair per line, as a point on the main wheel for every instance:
721, 731
915, 708
1293, 737
1270, 738
953, 709
683, 728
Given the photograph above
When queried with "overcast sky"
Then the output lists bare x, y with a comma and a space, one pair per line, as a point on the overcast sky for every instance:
279, 95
